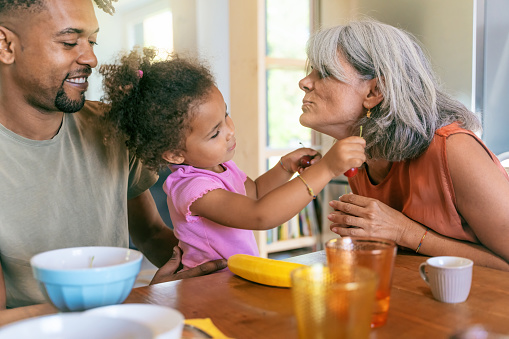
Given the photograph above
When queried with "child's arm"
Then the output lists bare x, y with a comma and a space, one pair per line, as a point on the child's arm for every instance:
279, 174
282, 203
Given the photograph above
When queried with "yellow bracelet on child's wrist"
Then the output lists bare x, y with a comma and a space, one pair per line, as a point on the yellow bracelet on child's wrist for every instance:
310, 190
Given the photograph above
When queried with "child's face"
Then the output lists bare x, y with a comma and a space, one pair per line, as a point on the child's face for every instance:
211, 141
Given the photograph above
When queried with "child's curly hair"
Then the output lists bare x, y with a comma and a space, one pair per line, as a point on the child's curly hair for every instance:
151, 101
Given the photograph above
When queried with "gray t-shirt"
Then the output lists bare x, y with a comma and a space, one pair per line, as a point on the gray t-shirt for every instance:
69, 191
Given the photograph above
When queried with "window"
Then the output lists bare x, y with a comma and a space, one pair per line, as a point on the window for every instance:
154, 29
147, 23
285, 60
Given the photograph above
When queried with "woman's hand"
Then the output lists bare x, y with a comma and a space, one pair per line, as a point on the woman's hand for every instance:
355, 215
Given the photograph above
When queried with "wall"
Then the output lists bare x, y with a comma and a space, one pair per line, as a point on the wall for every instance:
110, 40
246, 84
496, 76
200, 28
213, 41
444, 27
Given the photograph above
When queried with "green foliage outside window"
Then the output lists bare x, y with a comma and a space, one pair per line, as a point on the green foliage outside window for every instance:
286, 39
284, 100
287, 28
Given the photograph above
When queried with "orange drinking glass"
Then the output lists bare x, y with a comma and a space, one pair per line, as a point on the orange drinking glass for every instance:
333, 305
376, 254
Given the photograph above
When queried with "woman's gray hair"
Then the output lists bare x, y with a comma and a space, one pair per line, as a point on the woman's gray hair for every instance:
402, 126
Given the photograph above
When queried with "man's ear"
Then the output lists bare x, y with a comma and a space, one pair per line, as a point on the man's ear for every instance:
6, 52
375, 95
173, 158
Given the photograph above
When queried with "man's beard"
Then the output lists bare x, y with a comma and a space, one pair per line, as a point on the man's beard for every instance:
66, 105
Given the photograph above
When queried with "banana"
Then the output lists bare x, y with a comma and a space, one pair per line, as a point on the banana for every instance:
262, 270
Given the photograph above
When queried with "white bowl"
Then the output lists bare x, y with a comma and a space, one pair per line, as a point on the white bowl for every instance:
75, 326
80, 278
165, 322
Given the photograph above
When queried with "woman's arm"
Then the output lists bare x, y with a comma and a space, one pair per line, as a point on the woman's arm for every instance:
480, 189
279, 204
482, 192
370, 217
435, 244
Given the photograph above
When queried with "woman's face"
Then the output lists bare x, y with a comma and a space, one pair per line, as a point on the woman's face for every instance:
332, 106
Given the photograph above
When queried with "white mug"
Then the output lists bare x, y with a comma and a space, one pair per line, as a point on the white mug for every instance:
449, 278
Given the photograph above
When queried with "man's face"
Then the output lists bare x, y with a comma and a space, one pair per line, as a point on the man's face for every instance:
54, 55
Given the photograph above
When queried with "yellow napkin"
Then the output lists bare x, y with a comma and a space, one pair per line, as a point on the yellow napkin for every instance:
208, 326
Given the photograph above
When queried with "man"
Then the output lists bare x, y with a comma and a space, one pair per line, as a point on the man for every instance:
62, 182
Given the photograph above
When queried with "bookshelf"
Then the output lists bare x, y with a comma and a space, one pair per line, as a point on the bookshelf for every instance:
337, 187
310, 228
303, 230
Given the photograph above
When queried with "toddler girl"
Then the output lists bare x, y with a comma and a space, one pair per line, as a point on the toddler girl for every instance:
171, 113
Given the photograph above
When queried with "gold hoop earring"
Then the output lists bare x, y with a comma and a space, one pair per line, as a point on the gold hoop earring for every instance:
368, 114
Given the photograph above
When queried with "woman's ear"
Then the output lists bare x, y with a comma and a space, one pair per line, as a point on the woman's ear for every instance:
173, 158
375, 95
6, 53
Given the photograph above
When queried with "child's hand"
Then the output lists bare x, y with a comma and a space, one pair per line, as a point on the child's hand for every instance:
299, 159
345, 154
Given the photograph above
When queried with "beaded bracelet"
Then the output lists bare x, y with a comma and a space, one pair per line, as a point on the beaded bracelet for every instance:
422, 239
310, 190
286, 169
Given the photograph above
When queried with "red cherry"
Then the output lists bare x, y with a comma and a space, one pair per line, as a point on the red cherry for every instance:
351, 172
305, 161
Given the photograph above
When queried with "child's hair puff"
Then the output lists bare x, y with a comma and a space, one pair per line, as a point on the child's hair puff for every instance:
152, 109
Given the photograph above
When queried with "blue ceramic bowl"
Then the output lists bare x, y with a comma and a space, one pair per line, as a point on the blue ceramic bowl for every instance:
81, 278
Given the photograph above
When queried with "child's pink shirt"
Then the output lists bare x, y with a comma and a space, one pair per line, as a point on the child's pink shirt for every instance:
200, 239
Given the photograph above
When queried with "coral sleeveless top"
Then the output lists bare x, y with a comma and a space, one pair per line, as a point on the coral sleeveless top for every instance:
422, 188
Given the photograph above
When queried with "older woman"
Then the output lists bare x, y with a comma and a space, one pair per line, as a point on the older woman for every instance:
429, 184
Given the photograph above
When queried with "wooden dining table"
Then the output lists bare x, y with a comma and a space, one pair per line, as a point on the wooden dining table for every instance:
243, 309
